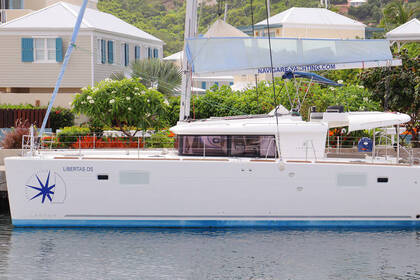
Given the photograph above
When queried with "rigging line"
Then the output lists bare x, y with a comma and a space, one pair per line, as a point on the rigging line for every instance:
288, 95
307, 90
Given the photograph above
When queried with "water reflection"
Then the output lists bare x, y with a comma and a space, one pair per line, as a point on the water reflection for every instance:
208, 254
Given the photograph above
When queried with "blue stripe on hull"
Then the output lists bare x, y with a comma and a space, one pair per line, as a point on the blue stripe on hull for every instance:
217, 223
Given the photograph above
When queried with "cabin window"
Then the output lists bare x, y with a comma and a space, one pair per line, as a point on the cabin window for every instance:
204, 145
253, 146
235, 146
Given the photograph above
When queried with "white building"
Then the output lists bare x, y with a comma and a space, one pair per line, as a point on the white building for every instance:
408, 32
32, 49
311, 23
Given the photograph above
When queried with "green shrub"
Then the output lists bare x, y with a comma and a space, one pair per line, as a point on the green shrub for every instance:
160, 139
61, 117
69, 135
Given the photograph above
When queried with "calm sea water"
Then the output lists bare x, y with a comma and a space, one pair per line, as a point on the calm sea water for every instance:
207, 254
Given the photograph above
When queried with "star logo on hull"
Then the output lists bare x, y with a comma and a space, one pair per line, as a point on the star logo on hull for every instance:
45, 186
44, 189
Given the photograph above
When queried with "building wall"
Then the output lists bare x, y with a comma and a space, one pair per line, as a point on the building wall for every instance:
103, 71
91, 4
16, 13
211, 81
34, 4
36, 99
338, 33
39, 4
17, 74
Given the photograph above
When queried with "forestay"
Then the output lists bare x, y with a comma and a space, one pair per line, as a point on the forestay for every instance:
251, 55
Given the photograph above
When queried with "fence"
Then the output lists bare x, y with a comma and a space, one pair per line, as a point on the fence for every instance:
8, 117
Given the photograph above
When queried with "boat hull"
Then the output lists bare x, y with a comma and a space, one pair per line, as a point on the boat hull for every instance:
210, 193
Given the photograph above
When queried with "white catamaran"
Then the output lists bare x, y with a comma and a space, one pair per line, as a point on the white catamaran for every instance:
265, 170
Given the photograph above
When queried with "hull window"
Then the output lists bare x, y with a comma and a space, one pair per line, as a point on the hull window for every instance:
102, 177
134, 178
382, 179
351, 179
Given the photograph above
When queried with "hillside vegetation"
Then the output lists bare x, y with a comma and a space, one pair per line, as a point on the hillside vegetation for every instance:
165, 18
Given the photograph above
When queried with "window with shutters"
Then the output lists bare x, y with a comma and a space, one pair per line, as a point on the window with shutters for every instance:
125, 58
101, 51
137, 53
45, 50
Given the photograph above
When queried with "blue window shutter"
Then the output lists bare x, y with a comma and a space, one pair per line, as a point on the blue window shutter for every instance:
110, 52
27, 50
149, 52
156, 53
58, 49
127, 58
216, 83
103, 51
203, 85
231, 83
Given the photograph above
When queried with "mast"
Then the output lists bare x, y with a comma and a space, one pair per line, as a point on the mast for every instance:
65, 62
190, 32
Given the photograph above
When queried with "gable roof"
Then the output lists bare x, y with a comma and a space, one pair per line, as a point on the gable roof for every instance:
221, 28
63, 16
409, 31
312, 16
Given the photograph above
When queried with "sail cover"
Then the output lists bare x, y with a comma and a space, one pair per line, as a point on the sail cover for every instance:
251, 55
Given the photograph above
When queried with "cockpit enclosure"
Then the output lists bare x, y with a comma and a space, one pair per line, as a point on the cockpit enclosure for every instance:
287, 137
256, 146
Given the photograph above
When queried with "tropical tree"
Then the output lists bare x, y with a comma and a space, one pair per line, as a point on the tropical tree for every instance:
397, 88
397, 12
155, 73
123, 105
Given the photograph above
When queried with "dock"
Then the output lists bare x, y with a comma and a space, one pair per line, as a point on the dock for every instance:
4, 203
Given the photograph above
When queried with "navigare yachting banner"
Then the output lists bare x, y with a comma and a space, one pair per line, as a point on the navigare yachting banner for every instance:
252, 55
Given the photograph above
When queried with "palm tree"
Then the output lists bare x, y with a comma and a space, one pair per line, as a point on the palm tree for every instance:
163, 75
397, 12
